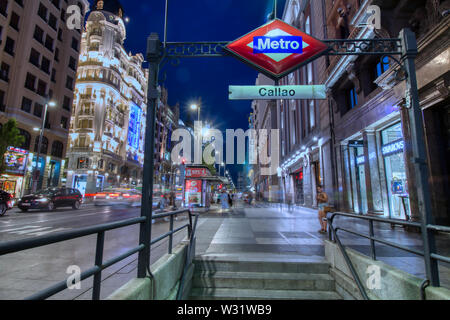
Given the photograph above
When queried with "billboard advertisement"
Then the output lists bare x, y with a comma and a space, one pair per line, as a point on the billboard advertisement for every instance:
134, 127
16, 160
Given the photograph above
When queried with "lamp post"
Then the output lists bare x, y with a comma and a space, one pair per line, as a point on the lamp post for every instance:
36, 171
197, 107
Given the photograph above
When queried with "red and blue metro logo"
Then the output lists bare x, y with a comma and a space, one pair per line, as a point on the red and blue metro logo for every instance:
277, 48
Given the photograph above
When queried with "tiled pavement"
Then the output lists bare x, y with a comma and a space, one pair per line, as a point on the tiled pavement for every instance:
271, 231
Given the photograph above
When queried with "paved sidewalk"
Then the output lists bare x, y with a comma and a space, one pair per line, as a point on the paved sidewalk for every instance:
272, 232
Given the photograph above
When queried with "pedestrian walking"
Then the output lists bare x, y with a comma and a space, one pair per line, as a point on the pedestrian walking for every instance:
224, 200
322, 201
230, 200
289, 201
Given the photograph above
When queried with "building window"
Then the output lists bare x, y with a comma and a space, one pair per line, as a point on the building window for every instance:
382, 66
42, 12
4, 72
57, 149
44, 146
69, 83
352, 98
26, 104
30, 82
4, 7
14, 22
64, 122
395, 170
9, 46
26, 144
34, 57
38, 108
83, 163
38, 34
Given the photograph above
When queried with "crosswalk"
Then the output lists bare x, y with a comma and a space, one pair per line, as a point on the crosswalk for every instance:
33, 230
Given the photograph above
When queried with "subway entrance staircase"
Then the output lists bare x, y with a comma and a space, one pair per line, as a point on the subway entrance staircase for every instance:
228, 278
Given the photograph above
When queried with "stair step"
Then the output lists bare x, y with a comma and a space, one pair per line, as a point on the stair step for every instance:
250, 294
264, 281
261, 266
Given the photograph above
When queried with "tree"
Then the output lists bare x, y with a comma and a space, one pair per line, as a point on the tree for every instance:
9, 137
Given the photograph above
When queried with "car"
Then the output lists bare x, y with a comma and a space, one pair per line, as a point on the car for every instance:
112, 197
50, 199
6, 202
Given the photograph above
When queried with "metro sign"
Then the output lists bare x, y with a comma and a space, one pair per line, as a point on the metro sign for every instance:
277, 48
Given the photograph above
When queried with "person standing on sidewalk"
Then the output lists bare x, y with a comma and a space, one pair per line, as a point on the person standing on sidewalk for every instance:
230, 200
224, 200
322, 201
289, 201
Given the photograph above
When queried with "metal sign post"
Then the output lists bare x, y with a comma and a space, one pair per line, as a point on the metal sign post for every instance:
419, 159
154, 59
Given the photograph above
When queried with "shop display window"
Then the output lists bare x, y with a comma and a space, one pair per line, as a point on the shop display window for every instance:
394, 163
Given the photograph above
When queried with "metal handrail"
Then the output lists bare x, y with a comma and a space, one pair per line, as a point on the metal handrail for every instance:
188, 257
25, 244
371, 219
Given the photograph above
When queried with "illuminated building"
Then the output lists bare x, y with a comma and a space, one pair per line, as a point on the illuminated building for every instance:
106, 142
355, 143
38, 62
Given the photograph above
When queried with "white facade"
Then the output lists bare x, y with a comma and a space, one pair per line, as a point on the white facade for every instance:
106, 141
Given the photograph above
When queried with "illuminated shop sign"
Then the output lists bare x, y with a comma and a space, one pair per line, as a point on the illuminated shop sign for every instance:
16, 160
360, 160
134, 126
394, 147
276, 48
279, 44
197, 172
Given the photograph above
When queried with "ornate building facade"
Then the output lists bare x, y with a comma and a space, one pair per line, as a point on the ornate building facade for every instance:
357, 142
106, 141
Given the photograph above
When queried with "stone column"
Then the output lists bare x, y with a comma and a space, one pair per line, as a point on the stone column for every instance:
372, 175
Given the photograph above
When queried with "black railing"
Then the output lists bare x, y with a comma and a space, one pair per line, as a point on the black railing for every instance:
430, 257
100, 265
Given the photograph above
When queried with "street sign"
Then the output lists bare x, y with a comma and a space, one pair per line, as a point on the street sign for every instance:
277, 92
277, 48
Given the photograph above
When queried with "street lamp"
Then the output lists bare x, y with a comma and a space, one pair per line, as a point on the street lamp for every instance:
196, 107
36, 171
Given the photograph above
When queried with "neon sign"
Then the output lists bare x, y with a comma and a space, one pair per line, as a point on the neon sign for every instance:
278, 44
394, 147
134, 126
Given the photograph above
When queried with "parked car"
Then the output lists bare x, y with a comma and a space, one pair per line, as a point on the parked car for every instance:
6, 202
112, 197
49, 199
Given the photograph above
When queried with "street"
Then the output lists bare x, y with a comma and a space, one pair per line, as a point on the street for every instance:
27, 272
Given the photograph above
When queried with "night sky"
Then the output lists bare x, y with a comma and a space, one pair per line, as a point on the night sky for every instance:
208, 78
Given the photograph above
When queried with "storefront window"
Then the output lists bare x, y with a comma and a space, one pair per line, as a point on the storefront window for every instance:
298, 187
397, 184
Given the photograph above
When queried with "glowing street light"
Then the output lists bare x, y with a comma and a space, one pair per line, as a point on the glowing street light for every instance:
41, 136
